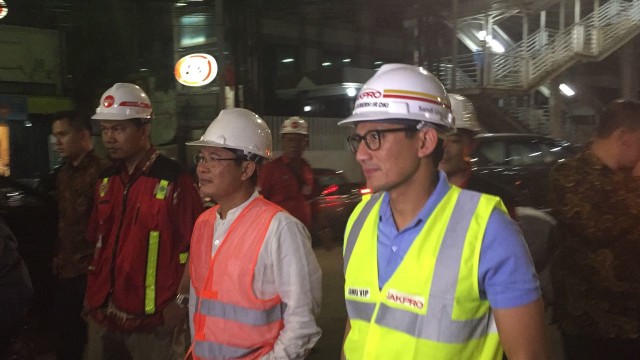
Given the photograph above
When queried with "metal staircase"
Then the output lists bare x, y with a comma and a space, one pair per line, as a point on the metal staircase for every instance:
544, 53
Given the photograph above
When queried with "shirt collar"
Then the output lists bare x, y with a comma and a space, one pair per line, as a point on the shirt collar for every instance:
442, 187
142, 166
233, 213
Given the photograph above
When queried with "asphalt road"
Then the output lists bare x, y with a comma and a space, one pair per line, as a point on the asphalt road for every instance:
333, 314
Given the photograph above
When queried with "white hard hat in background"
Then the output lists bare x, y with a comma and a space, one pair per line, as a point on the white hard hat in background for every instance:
123, 101
464, 113
238, 129
294, 125
404, 92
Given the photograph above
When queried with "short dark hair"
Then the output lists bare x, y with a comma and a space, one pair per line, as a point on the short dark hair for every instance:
618, 114
77, 121
139, 122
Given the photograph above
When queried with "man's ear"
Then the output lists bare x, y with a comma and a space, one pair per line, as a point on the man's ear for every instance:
428, 139
147, 129
248, 168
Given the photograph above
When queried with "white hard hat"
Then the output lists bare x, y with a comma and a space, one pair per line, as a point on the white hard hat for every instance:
294, 125
238, 129
403, 92
123, 101
464, 113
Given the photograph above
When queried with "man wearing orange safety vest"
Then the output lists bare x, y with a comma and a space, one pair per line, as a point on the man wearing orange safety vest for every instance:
144, 210
255, 283
432, 271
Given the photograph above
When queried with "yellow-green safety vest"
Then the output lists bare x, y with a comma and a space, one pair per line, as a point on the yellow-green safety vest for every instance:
431, 307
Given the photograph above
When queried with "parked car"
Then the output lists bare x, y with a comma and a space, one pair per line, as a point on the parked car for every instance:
520, 163
30, 211
333, 200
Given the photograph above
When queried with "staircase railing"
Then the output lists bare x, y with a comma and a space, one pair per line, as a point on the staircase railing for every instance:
546, 52
468, 71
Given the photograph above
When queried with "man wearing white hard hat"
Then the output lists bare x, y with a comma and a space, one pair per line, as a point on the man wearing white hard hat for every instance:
431, 271
458, 147
288, 180
254, 280
141, 224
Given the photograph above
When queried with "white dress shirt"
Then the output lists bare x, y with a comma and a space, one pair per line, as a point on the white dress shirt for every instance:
286, 267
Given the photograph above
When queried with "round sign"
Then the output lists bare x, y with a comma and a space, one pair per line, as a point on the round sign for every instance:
3, 9
196, 69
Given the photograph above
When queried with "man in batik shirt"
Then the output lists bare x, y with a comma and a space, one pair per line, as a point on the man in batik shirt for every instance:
75, 183
596, 272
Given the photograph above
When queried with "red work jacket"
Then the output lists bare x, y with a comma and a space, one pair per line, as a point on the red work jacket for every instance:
280, 184
141, 224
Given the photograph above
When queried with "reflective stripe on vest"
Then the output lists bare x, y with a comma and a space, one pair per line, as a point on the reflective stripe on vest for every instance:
239, 313
357, 227
211, 350
104, 186
150, 278
161, 189
184, 257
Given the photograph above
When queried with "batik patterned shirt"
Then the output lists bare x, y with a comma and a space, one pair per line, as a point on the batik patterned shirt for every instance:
75, 188
596, 271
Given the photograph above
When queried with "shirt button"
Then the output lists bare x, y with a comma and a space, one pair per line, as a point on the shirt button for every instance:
394, 248
217, 242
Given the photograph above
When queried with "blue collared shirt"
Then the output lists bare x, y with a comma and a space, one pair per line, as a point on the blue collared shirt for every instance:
506, 276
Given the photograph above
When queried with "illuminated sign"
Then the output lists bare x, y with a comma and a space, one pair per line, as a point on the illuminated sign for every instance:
3, 9
196, 69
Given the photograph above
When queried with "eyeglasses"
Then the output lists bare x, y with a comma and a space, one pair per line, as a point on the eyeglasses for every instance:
201, 159
372, 138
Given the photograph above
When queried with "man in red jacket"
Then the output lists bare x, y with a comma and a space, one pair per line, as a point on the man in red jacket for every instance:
288, 180
141, 223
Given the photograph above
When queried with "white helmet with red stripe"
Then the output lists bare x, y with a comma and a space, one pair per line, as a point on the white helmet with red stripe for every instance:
123, 101
294, 125
403, 92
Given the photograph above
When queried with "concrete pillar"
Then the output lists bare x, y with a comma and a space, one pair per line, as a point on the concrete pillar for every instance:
628, 72
556, 110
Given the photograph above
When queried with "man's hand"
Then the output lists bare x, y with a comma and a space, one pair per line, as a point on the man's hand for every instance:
174, 315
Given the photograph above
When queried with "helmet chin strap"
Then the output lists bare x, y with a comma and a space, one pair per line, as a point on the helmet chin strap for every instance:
253, 157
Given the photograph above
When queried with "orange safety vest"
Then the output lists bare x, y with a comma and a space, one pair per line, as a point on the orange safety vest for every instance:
230, 321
